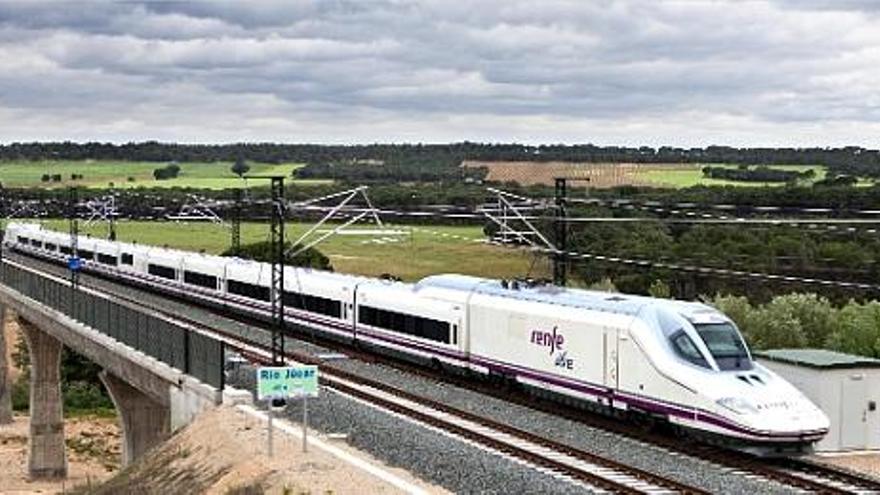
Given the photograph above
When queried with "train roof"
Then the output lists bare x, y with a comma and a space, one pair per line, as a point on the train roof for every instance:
445, 285
586, 299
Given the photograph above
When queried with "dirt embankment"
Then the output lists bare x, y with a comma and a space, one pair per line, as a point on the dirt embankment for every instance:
224, 451
92, 455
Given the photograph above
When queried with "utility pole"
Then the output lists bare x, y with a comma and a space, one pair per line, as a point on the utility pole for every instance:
276, 253
235, 243
112, 220
73, 220
560, 256
276, 232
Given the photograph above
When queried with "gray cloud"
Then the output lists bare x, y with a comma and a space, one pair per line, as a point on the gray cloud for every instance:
632, 72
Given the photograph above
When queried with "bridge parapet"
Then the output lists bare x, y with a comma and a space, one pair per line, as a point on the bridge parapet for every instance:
178, 346
155, 368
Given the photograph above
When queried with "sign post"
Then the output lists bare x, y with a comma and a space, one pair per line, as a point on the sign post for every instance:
278, 383
305, 420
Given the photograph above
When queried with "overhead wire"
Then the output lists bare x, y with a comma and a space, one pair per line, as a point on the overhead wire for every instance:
703, 270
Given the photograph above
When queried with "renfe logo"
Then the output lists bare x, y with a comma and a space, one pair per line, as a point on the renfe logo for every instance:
552, 339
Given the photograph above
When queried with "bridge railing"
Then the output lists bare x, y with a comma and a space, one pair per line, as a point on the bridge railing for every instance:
180, 347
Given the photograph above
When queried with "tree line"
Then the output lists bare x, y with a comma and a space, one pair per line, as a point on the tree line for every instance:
415, 161
761, 173
790, 251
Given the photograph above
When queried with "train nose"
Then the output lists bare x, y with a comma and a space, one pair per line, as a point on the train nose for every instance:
777, 407
792, 416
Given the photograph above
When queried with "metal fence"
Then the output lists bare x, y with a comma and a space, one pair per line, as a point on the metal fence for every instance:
191, 352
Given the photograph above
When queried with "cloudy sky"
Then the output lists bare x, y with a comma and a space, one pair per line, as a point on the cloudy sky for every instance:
630, 72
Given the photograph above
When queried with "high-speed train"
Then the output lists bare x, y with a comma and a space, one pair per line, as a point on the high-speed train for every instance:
679, 362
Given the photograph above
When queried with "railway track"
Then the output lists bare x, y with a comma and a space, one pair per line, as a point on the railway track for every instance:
592, 471
846, 481
562, 460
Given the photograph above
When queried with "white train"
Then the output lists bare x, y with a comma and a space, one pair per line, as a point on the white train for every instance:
674, 361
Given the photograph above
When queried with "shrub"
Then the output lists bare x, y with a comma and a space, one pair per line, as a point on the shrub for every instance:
169, 171
82, 395
261, 251
857, 330
605, 285
660, 289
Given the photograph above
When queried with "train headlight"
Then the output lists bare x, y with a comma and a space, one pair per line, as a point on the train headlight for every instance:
737, 405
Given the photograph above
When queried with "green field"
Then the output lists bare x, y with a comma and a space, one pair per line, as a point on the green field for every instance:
420, 251
692, 175
126, 175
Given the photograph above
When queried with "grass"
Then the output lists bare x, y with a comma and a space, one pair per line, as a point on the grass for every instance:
419, 252
692, 175
100, 174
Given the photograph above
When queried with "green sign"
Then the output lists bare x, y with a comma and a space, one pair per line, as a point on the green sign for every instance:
285, 382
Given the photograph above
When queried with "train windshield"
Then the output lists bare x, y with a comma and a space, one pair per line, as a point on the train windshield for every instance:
726, 345
685, 348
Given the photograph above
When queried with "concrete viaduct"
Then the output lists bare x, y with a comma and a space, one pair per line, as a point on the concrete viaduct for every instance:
154, 394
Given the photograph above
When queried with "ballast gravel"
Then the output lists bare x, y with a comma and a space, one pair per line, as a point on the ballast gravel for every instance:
439, 458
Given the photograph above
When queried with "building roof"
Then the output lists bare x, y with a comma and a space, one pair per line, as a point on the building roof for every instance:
818, 358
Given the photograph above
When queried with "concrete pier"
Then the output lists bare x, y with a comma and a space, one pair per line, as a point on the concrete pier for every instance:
145, 422
5, 383
47, 452
152, 397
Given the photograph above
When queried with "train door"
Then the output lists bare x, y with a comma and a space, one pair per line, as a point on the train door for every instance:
611, 358
854, 413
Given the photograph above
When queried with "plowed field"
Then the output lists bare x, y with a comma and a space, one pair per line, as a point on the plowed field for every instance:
600, 175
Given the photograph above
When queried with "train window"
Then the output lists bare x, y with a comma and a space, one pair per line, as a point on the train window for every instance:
85, 254
23, 240
127, 259
65, 249
162, 271
50, 247
200, 279
36, 243
725, 345
686, 349
106, 259
313, 304
248, 290
417, 326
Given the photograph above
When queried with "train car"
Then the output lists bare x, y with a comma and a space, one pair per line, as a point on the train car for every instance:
165, 265
403, 319
668, 361
651, 359
133, 258
204, 272
107, 253
324, 300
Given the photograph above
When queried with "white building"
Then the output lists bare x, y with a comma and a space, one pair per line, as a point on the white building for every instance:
846, 387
